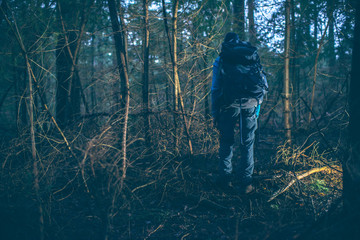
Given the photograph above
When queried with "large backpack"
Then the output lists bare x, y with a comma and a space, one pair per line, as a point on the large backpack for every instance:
241, 73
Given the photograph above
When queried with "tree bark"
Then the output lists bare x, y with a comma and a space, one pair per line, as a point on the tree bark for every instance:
331, 36
286, 94
178, 101
63, 66
315, 72
252, 29
174, 55
294, 77
239, 18
33, 149
93, 83
351, 166
24, 52
122, 67
178, 96
69, 89
330, 50
145, 87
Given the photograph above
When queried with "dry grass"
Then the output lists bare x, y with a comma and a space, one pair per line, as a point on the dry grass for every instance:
167, 194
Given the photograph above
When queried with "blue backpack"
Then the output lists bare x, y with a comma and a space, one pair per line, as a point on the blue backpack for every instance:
241, 73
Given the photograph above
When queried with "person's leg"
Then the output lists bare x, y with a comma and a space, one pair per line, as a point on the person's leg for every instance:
226, 128
248, 126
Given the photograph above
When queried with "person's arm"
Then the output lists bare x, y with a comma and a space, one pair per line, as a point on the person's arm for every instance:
216, 91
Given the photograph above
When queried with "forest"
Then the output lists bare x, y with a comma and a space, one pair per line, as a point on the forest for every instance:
106, 129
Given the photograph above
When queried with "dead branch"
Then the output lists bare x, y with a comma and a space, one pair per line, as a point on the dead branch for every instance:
299, 177
315, 70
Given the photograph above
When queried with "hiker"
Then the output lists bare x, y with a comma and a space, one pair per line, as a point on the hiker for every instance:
238, 87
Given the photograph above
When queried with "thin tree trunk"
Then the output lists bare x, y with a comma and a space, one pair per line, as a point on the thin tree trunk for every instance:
351, 166
31, 118
252, 29
286, 94
331, 44
177, 90
33, 150
294, 79
316, 29
124, 33
121, 50
20, 86
124, 86
239, 18
175, 136
315, 71
145, 89
73, 43
93, 87
206, 90
176, 77
122, 67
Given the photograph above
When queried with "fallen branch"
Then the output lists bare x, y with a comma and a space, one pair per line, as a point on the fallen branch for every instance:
299, 177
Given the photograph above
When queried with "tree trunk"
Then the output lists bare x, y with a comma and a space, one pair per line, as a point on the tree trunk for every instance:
178, 95
178, 101
239, 18
206, 89
33, 149
69, 90
331, 44
316, 29
331, 36
252, 29
63, 66
145, 87
93, 83
294, 79
286, 94
20, 76
122, 67
174, 54
13, 26
315, 72
351, 166
175, 135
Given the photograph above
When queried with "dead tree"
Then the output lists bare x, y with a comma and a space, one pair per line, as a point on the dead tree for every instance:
178, 101
122, 68
145, 87
286, 93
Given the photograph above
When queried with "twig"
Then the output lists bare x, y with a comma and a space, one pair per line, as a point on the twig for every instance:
315, 70
151, 233
325, 140
299, 177
145, 185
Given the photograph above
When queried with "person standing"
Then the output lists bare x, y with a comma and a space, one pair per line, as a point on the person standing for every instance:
238, 87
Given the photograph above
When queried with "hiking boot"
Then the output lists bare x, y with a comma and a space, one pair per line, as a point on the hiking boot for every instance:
246, 189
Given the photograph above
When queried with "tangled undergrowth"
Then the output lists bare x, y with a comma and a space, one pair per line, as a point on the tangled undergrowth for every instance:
164, 195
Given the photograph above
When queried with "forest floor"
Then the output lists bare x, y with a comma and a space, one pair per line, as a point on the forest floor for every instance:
191, 207
174, 198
